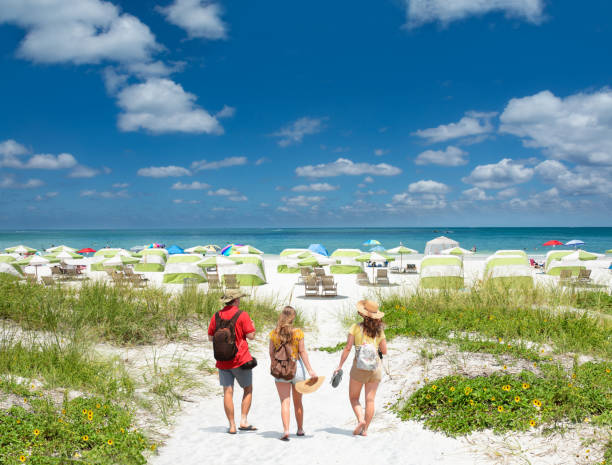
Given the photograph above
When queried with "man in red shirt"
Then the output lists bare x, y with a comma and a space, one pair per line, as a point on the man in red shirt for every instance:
230, 369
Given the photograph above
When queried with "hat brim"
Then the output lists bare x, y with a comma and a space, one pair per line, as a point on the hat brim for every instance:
363, 311
227, 299
310, 385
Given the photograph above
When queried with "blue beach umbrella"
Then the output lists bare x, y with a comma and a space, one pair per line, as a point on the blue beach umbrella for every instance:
371, 242
318, 248
378, 248
575, 243
174, 249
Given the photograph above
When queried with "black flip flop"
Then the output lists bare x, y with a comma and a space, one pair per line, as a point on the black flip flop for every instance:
336, 378
231, 432
284, 438
300, 434
247, 428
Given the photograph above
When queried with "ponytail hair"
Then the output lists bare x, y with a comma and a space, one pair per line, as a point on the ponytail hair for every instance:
284, 327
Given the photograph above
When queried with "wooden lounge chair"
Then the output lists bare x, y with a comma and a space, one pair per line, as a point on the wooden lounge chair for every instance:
329, 287
48, 280
565, 277
319, 273
382, 277
411, 268
311, 288
584, 276
231, 282
362, 279
213, 281
304, 274
30, 278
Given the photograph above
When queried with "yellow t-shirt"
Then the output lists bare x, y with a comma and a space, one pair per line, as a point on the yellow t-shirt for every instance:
298, 335
357, 331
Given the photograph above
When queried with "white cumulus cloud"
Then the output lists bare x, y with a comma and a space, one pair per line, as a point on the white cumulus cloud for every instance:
472, 124
163, 171
224, 192
78, 31
346, 167
202, 165
195, 185
199, 18
161, 105
452, 156
8, 182
81, 171
428, 187
446, 11
475, 193
315, 187
576, 128
499, 175
294, 133
302, 200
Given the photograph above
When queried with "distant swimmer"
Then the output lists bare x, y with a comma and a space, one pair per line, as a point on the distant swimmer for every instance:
474, 249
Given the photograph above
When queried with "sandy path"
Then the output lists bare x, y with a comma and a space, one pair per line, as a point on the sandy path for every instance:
200, 433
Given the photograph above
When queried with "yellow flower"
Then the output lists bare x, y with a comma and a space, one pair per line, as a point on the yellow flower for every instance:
153, 446
607, 370
85, 437
467, 390
484, 389
25, 400
452, 389
18, 421
532, 423
517, 399
110, 442
573, 375
63, 411
90, 412
434, 387
122, 430
98, 406
36, 432
32, 386
506, 387
535, 364
76, 455
22, 458
493, 398
500, 339
500, 408
471, 402
587, 420
84, 411
525, 386
570, 385
427, 396
537, 403
505, 367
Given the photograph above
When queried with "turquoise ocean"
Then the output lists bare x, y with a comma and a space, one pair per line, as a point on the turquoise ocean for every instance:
273, 240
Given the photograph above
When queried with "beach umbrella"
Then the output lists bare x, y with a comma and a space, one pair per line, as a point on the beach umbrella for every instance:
233, 249
552, 243
37, 261
456, 251
315, 259
437, 245
580, 255
376, 257
6, 258
318, 248
371, 242
63, 255
20, 249
609, 251
197, 249
346, 253
87, 250
174, 249
60, 248
401, 251
120, 260
28, 260
575, 243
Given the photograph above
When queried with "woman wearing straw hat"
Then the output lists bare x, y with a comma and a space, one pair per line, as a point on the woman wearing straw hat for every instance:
369, 340
293, 338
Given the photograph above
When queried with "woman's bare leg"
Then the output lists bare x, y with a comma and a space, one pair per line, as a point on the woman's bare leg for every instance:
370, 397
299, 409
354, 393
284, 394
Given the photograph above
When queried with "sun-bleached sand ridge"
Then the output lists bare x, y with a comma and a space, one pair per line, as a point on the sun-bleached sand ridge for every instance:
199, 433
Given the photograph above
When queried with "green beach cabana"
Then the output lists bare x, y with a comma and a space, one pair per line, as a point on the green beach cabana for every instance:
508, 271
152, 262
6, 269
6, 258
556, 255
249, 270
176, 273
572, 260
347, 263
441, 272
108, 252
116, 262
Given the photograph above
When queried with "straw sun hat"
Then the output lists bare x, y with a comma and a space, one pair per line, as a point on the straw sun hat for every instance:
369, 309
310, 385
232, 294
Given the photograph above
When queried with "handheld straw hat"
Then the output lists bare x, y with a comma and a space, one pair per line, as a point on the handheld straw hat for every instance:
310, 385
369, 309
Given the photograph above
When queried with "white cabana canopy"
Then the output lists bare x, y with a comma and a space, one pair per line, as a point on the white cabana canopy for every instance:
437, 245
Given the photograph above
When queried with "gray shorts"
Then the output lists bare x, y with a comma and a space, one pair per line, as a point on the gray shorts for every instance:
300, 374
244, 377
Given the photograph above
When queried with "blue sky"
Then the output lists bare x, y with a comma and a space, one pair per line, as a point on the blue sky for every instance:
201, 113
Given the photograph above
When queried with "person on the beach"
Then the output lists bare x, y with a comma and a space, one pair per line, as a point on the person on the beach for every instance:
232, 354
370, 344
285, 333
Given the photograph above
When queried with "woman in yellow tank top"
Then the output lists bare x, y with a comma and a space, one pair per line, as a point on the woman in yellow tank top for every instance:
367, 333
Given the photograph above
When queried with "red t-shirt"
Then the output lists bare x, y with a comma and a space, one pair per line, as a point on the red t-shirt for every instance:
244, 326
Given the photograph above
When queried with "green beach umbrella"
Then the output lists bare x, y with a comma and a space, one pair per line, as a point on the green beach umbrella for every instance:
60, 248
401, 251
35, 260
374, 257
120, 260
20, 249
63, 255
609, 251
456, 251
580, 255
6, 258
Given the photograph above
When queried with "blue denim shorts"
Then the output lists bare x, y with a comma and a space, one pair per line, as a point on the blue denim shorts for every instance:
300, 374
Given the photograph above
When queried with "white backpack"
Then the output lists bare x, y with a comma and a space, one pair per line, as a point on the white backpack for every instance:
367, 356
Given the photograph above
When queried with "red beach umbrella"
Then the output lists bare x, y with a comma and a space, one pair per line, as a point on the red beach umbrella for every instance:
553, 243
87, 250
